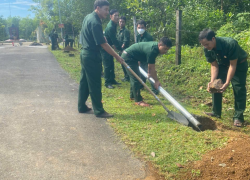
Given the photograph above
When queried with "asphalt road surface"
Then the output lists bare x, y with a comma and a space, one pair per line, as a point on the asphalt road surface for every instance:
42, 135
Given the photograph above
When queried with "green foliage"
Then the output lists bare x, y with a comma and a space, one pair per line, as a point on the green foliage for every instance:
244, 39
3, 28
72, 13
196, 18
176, 78
239, 29
227, 30
159, 14
26, 27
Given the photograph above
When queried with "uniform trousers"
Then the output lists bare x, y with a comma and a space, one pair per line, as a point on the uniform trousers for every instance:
239, 88
126, 76
53, 44
134, 83
144, 66
109, 68
90, 82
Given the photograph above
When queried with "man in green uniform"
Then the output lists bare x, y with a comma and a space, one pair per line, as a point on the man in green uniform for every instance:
123, 38
108, 60
54, 38
144, 51
92, 40
228, 63
144, 36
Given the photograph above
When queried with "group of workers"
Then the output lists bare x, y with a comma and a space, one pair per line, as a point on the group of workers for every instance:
54, 40
227, 58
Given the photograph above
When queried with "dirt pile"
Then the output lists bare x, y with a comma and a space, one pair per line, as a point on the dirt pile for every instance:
68, 48
229, 163
35, 44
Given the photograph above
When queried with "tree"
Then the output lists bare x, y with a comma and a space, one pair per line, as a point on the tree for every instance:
159, 14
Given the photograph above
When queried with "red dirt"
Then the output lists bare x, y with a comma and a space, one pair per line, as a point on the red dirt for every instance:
235, 158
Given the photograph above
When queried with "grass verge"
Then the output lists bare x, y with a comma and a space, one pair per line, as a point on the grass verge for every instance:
148, 131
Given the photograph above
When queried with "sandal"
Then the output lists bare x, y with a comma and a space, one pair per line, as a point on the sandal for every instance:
237, 123
142, 103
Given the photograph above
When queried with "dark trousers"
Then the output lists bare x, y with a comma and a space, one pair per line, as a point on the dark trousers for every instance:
144, 66
134, 83
109, 68
69, 42
126, 76
53, 44
239, 89
90, 82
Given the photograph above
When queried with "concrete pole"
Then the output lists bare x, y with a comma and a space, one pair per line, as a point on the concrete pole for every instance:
135, 28
60, 18
183, 111
178, 37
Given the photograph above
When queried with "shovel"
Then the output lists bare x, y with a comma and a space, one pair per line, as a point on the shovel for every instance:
171, 114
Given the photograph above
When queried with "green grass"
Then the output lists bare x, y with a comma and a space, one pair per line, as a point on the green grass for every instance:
147, 130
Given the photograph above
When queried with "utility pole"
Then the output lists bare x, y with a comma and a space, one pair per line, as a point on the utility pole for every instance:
60, 18
9, 8
135, 31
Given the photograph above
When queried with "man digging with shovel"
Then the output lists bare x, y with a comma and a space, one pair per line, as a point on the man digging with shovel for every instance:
144, 51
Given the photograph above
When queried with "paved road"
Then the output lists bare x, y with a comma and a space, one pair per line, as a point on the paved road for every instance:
42, 136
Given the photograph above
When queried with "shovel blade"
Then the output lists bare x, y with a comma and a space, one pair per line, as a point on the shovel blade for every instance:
178, 117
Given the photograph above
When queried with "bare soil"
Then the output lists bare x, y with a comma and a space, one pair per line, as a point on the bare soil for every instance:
229, 163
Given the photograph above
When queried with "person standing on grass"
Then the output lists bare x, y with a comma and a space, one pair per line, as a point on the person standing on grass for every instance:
54, 38
228, 63
108, 60
144, 51
123, 38
92, 40
144, 36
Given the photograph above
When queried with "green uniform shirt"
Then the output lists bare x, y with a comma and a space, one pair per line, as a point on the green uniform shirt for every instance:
144, 51
227, 49
92, 33
110, 34
123, 37
146, 37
